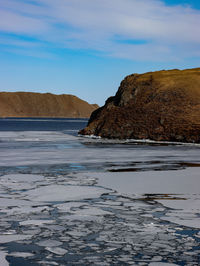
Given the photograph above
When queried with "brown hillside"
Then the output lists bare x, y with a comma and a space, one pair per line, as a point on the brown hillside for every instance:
162, 105
29, 104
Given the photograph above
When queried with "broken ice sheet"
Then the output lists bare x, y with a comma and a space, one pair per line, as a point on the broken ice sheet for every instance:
198, 235
91, 211
49, 243
57, 250
16, 179
25, 210
182, 219
184, 184
183, 212
185, 181
47, 263
36, 222
21, 254
87, 213
12, 201
53, 193
82, 218
67, 206
14, 237
3, 261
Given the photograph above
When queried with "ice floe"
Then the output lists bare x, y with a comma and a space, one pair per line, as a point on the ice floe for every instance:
179, 190
36, 222
49, 243
185, 181
10, 238
57, 251
21, 254
54, 193
3, 261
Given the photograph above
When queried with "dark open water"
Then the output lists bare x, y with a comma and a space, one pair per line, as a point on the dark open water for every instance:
69, 200
41, 124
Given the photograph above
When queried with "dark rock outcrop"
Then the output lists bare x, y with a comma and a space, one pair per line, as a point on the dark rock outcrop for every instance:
29, 104
162, 105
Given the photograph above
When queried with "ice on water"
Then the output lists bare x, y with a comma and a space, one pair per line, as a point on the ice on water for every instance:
3, 261
57, 193
5, 238
49, 243
66, 200
57, 251
179, 190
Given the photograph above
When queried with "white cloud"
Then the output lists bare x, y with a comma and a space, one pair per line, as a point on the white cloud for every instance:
168, 32
12, 22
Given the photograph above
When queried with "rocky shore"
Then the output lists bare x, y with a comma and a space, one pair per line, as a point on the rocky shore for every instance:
161, 105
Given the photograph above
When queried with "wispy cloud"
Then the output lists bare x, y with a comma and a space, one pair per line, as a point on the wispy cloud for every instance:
138, 30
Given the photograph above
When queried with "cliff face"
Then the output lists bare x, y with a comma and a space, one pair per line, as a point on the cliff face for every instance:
28, 104
162, 105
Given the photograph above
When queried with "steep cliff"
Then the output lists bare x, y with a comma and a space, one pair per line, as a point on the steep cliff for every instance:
29, 104
162, 105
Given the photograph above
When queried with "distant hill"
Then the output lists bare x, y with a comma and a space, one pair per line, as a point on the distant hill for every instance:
29, 104
162, 105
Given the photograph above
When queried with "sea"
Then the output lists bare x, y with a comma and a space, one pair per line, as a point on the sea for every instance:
66, 199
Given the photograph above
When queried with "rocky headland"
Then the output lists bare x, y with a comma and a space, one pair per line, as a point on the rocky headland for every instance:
162, 105
29, 104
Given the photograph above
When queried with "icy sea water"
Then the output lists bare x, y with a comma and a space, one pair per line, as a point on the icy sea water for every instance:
69, 200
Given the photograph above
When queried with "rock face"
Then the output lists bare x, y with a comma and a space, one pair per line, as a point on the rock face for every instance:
162, 105
29, 104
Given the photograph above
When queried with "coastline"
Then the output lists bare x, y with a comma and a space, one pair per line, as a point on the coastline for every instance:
136, 141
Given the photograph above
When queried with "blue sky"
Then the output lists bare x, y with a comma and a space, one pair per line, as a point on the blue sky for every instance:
86, 47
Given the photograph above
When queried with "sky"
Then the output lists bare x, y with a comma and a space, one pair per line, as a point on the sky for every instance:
86, 47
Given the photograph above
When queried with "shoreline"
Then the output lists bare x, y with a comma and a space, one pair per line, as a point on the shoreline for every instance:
137, 141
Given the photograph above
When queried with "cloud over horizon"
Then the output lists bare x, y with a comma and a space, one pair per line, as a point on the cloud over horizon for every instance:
131, 29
